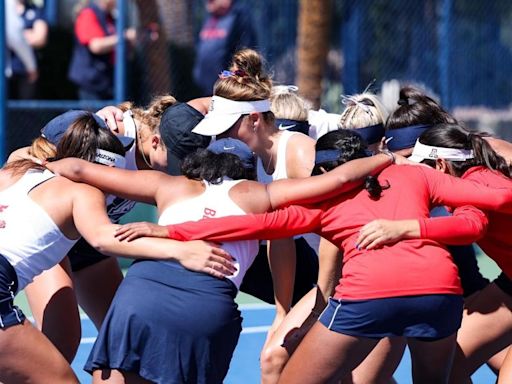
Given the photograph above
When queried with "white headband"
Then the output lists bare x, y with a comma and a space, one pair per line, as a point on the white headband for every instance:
423, 152
223, 114
110, 159
220, 105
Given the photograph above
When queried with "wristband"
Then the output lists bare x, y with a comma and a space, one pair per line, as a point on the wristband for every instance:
390, 154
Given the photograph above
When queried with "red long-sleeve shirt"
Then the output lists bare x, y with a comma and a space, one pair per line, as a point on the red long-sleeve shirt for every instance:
409, 267
489, 229
88, 27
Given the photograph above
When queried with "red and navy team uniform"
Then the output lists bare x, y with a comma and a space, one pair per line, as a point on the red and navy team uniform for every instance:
420, 271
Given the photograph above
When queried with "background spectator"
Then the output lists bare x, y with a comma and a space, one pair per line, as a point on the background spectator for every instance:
92, 64
228, 28
22, 85
17, 42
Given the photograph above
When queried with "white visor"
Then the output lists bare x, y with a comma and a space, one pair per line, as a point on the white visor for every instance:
423, 152
110, 159
223, 114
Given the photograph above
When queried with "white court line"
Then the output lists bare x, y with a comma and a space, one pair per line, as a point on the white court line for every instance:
260, 329
248, 330
242, 307
255, 306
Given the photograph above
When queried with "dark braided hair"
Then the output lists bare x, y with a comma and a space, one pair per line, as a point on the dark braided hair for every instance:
351, 147
212, 167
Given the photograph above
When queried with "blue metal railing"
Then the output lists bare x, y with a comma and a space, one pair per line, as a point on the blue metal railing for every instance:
445, 40
3, 84
120, 68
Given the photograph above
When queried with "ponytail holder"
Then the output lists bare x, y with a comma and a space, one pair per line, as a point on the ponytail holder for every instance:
352, 100
226, 73
280, 89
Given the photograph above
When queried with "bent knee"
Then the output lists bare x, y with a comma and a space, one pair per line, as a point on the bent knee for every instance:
273, 359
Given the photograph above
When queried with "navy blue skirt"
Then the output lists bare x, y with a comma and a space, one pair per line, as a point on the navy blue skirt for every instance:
169, 325
9, 313
427, 317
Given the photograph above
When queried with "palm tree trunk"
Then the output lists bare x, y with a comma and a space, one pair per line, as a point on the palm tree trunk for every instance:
312, 48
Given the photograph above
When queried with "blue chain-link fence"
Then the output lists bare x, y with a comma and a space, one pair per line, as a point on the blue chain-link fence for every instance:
459, 49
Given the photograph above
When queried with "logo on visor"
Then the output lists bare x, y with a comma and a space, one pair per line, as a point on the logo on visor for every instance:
104, 156
210, 108
433, 153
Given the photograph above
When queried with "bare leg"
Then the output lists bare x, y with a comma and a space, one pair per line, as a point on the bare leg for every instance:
495, 362
29, 357
284, 341
55, 310
505, 376
113, 376
95, 287
432, 360
381, 363
325, 356
280, 345
486, 329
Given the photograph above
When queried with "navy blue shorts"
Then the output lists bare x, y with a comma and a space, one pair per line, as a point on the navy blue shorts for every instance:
258, 279
83, 255
169, 325
428, 317
9, 313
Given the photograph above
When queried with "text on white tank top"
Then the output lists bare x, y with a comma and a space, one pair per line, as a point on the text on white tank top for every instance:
215, 202
30, 241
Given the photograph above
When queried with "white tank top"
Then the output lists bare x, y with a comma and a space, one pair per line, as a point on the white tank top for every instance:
30, 240
215, 202
280, 172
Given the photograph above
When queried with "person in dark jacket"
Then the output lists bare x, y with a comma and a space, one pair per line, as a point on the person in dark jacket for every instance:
228, 28
92, 64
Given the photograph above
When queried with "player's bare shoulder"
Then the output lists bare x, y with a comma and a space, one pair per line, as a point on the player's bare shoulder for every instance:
251, 196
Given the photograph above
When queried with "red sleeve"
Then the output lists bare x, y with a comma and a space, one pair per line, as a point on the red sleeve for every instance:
466, 226
455, 192
279, 224
87, 27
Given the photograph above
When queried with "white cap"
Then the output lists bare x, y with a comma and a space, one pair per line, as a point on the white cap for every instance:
423, 152
223, 114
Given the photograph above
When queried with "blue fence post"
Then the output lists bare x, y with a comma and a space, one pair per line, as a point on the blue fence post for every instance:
445, 47
3, 84
120, 65
351, 33
51, 9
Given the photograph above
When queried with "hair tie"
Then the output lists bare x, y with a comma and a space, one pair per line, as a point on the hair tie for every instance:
352, 100
227, 73
281, 89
